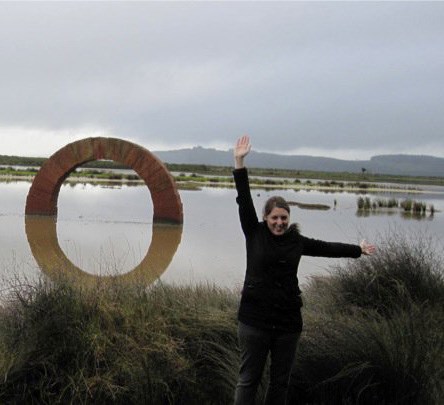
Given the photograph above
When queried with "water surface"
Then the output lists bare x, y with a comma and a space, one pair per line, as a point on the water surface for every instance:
105, 230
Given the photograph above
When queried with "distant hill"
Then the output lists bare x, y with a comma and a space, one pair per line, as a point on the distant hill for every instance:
408, 165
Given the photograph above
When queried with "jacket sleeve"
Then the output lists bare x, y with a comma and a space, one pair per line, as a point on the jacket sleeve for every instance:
247, 212
314, 247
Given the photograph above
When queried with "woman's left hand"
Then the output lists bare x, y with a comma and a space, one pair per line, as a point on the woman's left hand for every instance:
367, 248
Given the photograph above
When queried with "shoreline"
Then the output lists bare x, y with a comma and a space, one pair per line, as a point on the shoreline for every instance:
193, 185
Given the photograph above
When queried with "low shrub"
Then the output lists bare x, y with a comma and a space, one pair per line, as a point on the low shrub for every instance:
371, 359
373, 329
163, 345
405, 270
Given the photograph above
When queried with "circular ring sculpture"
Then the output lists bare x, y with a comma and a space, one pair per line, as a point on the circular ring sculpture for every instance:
44, 191
41, 206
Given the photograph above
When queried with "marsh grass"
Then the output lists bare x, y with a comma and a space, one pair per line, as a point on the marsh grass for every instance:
374, 330
373, 334
124, 344
406, 269
408, 206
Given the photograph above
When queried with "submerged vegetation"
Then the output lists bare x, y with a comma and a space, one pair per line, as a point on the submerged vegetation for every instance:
407, 206
373, 334
364, 180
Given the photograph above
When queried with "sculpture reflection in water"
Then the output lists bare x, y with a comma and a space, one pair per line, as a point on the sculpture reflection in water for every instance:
41, 232
41, 209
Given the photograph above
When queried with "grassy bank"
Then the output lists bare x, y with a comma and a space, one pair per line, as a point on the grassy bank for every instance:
121, 345
193, 181
373, 335
374, 329
357, 179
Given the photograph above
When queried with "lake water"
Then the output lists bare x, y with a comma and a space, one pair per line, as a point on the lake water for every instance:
108, 229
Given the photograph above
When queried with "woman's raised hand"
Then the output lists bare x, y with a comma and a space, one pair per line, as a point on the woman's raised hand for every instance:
241, 149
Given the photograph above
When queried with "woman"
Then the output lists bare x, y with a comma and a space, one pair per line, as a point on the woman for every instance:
269, 313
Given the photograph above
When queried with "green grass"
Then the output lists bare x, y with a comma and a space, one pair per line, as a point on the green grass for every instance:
191, 181
10, 171
374, 329
61, 344
407, 207
373, 335
357, 180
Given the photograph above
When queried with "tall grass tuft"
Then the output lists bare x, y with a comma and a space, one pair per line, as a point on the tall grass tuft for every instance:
124, 344
406, 270
373, 330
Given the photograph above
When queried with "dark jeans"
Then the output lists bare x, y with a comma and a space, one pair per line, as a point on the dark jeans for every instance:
255, 344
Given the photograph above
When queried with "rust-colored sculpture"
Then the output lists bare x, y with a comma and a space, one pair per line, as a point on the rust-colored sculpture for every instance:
44, 192
41, 208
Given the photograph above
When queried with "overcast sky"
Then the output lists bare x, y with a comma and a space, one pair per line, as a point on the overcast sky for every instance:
340, 79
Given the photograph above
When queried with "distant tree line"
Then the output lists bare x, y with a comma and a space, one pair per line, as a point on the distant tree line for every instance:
6, 160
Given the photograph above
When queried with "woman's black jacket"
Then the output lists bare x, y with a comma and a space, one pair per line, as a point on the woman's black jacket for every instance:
271, 295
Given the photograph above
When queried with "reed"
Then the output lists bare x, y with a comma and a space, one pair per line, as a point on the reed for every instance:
122, 344
407, 269
373, 329
371, 359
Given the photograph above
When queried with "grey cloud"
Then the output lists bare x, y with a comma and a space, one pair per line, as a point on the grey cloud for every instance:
293, 74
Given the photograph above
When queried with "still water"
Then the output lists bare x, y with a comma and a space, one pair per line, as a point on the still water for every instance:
105, 230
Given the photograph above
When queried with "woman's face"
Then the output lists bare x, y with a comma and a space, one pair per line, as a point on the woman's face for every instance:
277, 221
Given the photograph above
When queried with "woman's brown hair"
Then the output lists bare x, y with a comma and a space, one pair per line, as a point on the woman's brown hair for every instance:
274, 202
